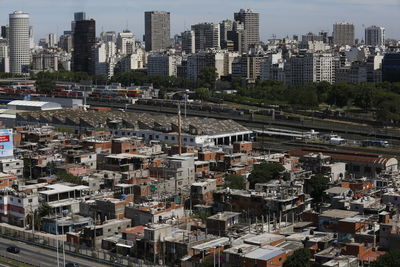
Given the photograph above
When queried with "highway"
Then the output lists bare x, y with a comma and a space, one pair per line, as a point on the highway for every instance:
41, 257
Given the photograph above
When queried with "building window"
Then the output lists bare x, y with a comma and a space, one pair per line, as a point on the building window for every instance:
30, 200
173, 138
19, 200
191, 140
166, 138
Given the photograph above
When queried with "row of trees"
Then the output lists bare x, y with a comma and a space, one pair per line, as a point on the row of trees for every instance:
382, 98
301, 258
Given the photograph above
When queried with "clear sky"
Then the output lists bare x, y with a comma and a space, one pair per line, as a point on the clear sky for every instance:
280, 17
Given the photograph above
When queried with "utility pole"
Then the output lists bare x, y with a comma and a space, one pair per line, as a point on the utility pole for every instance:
58, 263
179, 131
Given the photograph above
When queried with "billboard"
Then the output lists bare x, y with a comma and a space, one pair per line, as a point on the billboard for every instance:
6, 143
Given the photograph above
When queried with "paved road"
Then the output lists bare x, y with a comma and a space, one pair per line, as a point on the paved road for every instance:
41, 257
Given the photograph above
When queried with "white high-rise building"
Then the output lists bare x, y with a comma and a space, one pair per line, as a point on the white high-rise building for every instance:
19, 42
104, 59
163, 64
310, 68
196, 62
4, 57
52, 40
375, 36
126, 42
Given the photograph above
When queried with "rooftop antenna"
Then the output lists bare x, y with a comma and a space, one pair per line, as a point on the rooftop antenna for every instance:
179, 130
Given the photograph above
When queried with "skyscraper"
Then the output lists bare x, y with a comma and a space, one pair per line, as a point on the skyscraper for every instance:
188, 42
77, 17
375, 36
157, 30
84, 39
206, 36
343, 33
251, 22
19, 42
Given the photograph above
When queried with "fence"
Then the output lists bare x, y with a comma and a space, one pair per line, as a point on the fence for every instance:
45, 241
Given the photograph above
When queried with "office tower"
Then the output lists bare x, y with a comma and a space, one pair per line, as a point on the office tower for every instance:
251, 22
4, 56
126, 42
225, 26
163, 64
65, 42
84, 39
391, 67
157, 30
206, 36
188, 42
375, 36
343, 33
19, 42
77, 17
4, 31
52, 40
238, 38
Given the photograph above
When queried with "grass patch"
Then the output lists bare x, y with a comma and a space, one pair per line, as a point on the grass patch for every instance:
12, 262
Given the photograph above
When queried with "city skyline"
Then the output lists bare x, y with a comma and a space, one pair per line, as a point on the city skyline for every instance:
315, 15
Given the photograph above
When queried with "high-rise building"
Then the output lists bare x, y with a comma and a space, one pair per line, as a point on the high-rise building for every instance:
157, 30
19, 42
126, 42
4, 31
77, 17
52, 40
375, 36
109, 36
188, 42
65, 42
104, 58
391, 67
206, 36
163, 64
196, 62
343, 33
310, 68
238, 37
4, 57
251, 22
84, 39
225, 26
247, 67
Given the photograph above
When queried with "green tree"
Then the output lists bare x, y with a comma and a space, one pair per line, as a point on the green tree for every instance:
300, 258
45, 85
234, 181
265, 172
69, 178
44, 209
390, 259
319, 183
207, 77
203, 93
